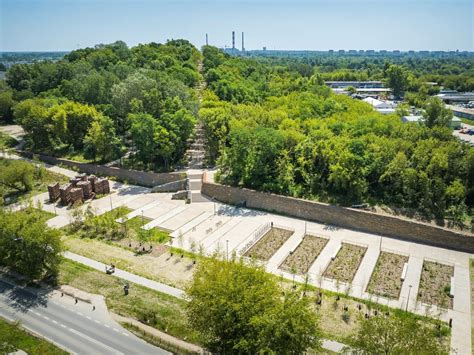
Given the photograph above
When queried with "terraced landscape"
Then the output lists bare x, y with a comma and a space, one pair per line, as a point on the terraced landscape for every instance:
344, 266
386, 279
269, 244
435, 284
301, 259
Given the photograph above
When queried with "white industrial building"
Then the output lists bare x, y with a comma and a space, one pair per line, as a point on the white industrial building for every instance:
384, 107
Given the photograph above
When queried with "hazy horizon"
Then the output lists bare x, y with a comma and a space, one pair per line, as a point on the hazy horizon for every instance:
65, 25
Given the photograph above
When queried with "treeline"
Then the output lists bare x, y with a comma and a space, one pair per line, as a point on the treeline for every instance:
451, 72
293, 136
100, 102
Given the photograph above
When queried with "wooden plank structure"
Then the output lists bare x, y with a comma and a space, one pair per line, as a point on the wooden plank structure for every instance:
64, 192
53, 191
76, 195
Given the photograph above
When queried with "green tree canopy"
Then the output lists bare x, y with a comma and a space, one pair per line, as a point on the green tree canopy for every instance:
397, 336
27, 245
238, 308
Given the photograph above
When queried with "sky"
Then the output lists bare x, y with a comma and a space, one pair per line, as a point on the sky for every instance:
54, 25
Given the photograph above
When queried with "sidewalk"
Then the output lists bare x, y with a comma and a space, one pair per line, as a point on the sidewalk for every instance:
160, 287
157, 286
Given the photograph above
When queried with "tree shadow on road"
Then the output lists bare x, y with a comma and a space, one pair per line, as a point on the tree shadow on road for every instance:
23, 298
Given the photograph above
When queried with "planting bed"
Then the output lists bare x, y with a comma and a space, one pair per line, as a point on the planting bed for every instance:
304, 255
269, 244
435, 284
386, 278
346, 263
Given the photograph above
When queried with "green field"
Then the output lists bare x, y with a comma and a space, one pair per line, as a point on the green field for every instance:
13, 337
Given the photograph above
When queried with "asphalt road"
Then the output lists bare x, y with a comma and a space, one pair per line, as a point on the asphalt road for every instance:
76, 328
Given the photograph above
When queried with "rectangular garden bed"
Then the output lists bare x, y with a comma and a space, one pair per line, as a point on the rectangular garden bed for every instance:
300, 260
345, 264
386, 279
435, 284
269, 244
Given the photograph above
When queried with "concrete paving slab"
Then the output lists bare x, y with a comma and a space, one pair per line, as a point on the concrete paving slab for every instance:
191, 224
282, 253
366, 267
186, 215
161, 209
158, 221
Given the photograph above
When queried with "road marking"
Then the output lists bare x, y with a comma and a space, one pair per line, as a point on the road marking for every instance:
47, 318
94, 341
125, 334
105, 325
54, 321
95, 320
38, 314
80, 313
88, 317
62, 325
116, 330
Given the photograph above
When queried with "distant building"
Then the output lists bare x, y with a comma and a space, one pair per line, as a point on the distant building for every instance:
355, 84
455, 123
450, 97
412, 118
462, 112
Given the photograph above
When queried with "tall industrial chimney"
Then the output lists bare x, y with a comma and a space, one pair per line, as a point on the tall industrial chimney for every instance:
243, 47
233, 39
207, 42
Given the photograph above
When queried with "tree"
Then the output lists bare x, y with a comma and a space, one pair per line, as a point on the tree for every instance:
6, 106
397, 79
28, 245
238, 308
143, 136
436, 113
101, 142
396, 335
16, 174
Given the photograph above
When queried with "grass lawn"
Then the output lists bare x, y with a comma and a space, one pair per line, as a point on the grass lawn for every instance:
13, 337
38, 214
174, 271
158, 310
41, 179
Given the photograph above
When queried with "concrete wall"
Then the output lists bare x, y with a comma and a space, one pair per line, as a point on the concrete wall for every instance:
142, 178
390, 226
173, 186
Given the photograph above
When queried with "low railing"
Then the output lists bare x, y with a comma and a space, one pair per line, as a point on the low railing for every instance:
259, 233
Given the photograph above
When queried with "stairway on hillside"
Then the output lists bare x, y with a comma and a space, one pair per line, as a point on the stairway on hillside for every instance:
196, 152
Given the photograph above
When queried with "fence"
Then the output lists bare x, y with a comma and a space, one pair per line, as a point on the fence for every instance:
260, 232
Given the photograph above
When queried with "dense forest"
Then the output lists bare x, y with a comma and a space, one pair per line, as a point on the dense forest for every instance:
272, 128
98, 103
270, 123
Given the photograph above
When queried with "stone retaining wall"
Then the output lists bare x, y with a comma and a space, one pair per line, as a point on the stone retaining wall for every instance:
143, 178
390, 226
